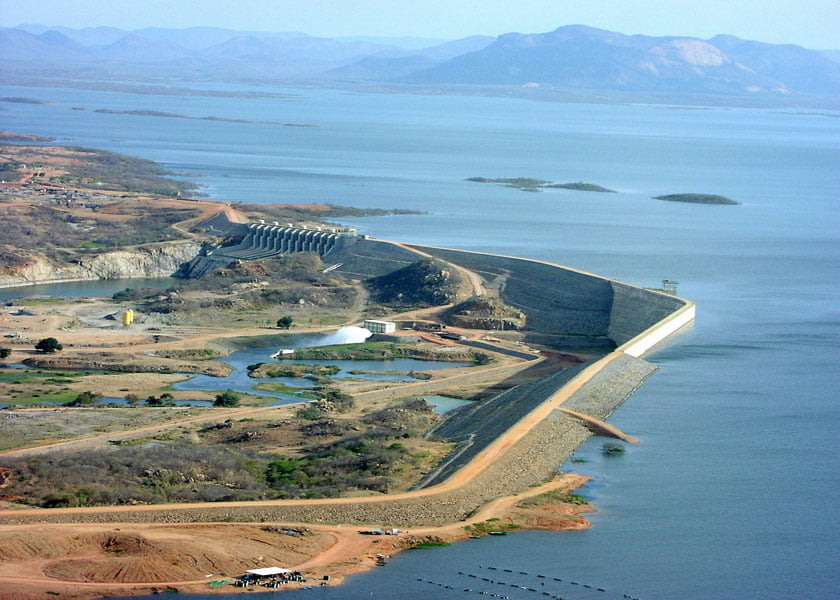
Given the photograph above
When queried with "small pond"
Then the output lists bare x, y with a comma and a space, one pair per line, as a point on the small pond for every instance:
445, 404
238, 380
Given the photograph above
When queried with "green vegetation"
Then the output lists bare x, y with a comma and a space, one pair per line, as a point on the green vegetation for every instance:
381, 351
282, 388
362, 463
48, 345
290, 370
50, 231
697, 199
86, 398
5, 352
35, 386
612, 449
165, 399
581, 186
188, 354
231, 460
226, 399
527, 184
284, 322
551, 497
490, 526
119, 172
428, 542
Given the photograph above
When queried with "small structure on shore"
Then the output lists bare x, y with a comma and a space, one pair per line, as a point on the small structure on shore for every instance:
375, 326
271, 577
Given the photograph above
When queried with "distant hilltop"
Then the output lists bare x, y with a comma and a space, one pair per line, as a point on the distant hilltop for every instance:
573, 59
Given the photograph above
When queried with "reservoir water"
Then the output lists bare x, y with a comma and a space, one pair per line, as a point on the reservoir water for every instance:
733, 491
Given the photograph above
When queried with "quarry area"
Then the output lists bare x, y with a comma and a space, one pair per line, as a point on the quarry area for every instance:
113, 479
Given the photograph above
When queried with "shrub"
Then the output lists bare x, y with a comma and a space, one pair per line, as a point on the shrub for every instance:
85, 399
226, 399
48, 345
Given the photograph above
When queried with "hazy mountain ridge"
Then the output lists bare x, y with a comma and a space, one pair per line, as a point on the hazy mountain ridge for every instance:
570, 58
583, 57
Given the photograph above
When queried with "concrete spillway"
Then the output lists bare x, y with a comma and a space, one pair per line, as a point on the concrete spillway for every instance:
259, 240
262, 241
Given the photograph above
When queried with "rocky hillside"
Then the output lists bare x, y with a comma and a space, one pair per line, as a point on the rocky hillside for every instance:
484, 312
584, 58
576, 59
154, 260
424, 283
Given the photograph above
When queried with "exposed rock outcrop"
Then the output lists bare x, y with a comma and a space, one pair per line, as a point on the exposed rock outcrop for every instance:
426, 282
153, 260
484, 312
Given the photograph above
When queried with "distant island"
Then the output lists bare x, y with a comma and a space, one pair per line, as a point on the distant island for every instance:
527, 184
22, 100
581, 186
697, 198
8, 136
168, 115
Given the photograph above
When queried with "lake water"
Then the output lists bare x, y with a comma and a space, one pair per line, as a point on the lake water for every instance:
83, 289
733, 491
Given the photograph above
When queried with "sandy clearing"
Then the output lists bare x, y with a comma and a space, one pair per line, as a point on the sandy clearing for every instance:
342, 550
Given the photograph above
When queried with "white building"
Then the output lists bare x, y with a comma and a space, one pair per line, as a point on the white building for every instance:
380, 326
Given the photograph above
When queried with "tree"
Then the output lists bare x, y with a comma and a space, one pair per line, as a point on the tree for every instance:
284, 322
154, 401
132, 399
5, 352
48, 345
86, 399
226, 399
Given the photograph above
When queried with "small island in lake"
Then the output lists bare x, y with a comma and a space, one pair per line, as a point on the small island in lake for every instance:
697, 198
527, 184
582, 186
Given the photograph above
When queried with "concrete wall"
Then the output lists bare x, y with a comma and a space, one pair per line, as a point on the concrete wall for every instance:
371, 258
555, 299
636, 309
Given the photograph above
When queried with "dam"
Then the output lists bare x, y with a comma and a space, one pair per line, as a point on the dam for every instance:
566, 309
503, 445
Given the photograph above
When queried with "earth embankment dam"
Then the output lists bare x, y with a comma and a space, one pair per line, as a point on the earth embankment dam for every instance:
507, 443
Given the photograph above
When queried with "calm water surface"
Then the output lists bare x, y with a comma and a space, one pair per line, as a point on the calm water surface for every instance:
732, 492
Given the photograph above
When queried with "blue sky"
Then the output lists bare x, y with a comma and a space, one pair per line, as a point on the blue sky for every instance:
810, 23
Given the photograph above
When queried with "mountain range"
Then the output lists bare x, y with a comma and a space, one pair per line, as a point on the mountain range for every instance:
570, 58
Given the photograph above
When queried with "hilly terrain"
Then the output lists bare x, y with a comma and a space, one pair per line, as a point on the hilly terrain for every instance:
576, 61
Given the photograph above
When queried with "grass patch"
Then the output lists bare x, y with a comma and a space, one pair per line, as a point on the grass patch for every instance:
552, 497
282, 388
490, 526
